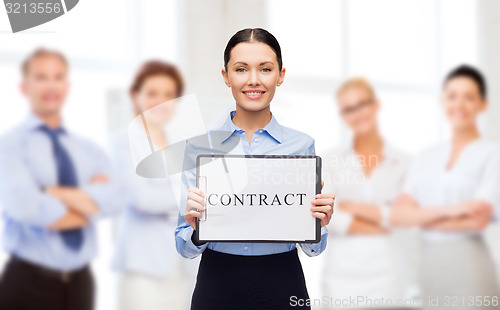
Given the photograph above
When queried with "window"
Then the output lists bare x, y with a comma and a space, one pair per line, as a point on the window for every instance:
403, 47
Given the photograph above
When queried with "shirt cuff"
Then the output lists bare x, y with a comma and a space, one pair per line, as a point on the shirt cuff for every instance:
341, 222
186, 235
324, 230
385, 213
101, 195
491, 200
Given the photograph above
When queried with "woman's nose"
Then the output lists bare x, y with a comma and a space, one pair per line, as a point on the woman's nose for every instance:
253, 79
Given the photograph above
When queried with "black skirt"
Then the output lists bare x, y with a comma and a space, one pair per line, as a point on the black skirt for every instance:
238, 282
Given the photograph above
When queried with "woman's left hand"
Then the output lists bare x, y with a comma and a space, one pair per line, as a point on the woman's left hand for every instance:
322, 207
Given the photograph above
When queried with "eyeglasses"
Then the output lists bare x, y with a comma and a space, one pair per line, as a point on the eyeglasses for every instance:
361, 104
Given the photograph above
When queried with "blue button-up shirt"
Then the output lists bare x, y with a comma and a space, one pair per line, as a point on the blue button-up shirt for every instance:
27, 165
273, 139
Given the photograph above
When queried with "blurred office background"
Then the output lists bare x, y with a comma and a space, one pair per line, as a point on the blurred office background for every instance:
403, 47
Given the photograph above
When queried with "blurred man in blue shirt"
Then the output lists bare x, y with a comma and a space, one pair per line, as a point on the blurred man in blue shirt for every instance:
54, 186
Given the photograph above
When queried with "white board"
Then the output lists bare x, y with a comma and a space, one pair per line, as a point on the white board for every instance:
259, 198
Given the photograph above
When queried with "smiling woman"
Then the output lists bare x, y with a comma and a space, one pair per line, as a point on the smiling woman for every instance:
451, 192
253, 70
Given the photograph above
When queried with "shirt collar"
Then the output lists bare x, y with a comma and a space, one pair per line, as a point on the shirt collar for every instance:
273, 128
33, 122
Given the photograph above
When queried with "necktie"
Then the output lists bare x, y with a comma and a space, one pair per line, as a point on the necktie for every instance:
66, 176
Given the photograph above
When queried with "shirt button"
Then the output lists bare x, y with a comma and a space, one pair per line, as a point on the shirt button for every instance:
256, 140
246, 247
260, 131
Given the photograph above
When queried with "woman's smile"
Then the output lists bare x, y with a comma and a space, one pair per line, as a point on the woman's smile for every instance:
253, 94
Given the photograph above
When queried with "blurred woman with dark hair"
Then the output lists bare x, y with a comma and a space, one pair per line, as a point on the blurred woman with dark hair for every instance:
152, 274
451, 192
247, 275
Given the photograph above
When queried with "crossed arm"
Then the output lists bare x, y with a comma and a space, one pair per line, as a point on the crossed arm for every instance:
56, 207
79, 205
367, 219
472, 215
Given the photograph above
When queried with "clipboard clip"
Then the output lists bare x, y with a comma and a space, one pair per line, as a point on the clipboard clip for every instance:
201, 182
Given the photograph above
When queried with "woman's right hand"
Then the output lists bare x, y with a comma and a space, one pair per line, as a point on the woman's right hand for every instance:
194, 206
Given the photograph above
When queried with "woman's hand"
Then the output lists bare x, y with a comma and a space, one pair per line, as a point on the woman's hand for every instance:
322, 207
194, 206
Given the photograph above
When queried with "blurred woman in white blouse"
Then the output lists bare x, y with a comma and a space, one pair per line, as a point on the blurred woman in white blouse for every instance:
451, 192
367, 175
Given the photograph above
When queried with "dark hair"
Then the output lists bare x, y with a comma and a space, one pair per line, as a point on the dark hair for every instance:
157, 67
471, 73
253, 35
41, 52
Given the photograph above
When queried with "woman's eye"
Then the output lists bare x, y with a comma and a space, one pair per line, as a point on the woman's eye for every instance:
240, 70
266, 70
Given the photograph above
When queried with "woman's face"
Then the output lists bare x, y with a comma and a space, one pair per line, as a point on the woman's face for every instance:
156, 90
462, 102
253, 74
358, 109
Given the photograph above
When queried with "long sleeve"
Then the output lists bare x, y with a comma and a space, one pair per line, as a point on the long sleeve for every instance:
314, 249
108, 196
311, 150
489, 184
184, 231
21, 198
183, 242
153, 196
